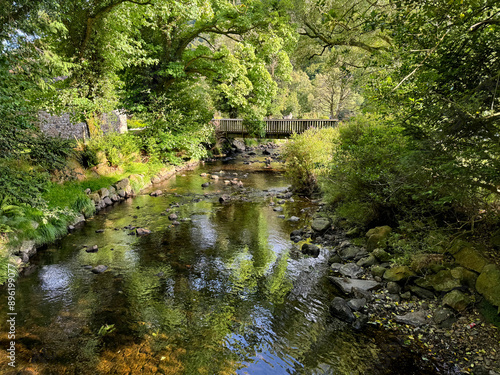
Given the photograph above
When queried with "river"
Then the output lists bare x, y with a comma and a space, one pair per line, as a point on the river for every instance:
223, 292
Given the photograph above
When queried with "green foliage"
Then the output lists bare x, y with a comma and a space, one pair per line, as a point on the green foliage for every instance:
20, 184
307, 156
119, 149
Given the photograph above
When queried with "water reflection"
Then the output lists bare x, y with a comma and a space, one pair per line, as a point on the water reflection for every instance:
218, 294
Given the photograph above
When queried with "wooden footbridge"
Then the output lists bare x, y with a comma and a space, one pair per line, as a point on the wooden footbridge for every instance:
275, 128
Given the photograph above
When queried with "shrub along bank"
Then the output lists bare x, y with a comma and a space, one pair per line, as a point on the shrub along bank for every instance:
371, 174
51, 185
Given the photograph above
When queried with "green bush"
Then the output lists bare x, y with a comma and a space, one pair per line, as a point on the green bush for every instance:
307, 157
119, 149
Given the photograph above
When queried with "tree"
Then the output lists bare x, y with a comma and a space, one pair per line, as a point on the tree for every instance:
447, 89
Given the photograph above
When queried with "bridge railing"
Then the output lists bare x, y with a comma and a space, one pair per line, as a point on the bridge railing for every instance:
274, 126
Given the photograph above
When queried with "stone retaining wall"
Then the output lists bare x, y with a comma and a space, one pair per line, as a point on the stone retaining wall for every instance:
61, 126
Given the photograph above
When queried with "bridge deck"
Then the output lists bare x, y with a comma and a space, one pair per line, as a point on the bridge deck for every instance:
274, 127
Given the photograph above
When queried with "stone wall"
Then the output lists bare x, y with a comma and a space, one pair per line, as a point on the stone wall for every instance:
61, 126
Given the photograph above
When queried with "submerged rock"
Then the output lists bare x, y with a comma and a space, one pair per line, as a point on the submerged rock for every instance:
156, 193
93, 249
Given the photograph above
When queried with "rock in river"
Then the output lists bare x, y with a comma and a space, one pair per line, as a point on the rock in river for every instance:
310, 249
341, 310
99, 269
346, 285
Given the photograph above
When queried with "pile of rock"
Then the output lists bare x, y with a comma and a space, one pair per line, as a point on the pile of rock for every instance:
105, 197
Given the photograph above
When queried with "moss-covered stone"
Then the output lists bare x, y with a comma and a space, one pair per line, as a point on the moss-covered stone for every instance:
377, 237
466, 277
401, 273
470, 258
443, 281
488, 284
381, 255
457, 300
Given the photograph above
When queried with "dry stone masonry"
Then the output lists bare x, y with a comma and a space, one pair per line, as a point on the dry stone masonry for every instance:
61, 126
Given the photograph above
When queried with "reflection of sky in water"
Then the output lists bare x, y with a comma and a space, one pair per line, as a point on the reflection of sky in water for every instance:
203, 232
55, 281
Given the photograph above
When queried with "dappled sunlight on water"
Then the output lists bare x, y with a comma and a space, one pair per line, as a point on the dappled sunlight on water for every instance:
220, 293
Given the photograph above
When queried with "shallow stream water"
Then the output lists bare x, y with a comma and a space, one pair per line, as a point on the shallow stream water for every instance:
224, 292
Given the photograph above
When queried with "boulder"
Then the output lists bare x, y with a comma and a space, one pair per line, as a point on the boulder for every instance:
341, 310
381, 255
416, 319
320, 224
356, 304
470, 258
103, 192
122, 184
377, 237
238, 145
351, 270
310, 249
378, 270
466, 277
457, 300
443, 281
95, 197
444, 317
398, 274
422, 293
393, 287
347, 285
488, 284
352, 253
107, 201
205, 184
121, 193
368, 261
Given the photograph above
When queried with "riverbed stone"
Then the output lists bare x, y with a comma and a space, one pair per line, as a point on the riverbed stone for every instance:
347, 285
377, 237
378, 270
352, 252
142, 231
122, 184
381, 255
398, 274
466, 277
357, 304
416, 319
320, 224
156, 193
107, 201
366, 262
457, 300
444, 317
488, 284
224, 198
310, 249
103, 192
340, 309
294, 219
278, 209
121, 193
422, 292
393, 287
351, 270
470, 258
443, 281
99, 269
